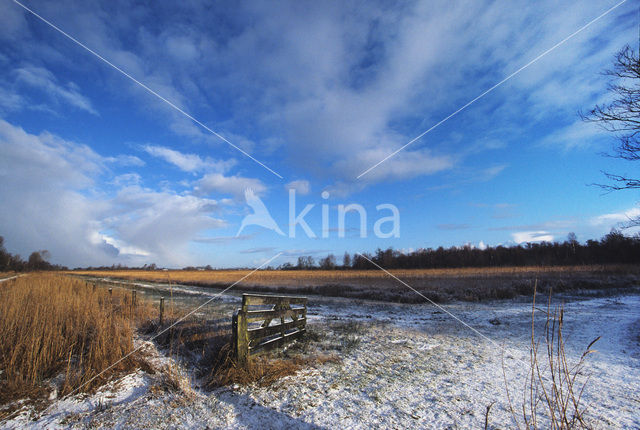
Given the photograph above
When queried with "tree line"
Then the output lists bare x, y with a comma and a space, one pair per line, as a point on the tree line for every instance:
613, 248
38, 260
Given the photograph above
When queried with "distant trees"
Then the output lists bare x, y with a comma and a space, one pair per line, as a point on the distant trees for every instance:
621, 116
613, 248
328, 263
38, 260
305, 262
5, 257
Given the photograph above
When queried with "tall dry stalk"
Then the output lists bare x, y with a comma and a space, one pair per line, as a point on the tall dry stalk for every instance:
56, 327
553, 389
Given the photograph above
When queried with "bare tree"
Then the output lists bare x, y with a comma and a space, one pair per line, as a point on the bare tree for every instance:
346, 260
328, 263
621, 116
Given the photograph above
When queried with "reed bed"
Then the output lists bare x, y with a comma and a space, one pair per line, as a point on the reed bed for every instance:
439, 285
316, 277
59, 332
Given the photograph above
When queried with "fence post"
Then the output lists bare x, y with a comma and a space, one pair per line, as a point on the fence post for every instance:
133, 298
281, 307
161, 309
242, 338
111, 292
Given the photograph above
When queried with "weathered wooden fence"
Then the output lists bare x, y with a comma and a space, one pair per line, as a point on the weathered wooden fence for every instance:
253, 330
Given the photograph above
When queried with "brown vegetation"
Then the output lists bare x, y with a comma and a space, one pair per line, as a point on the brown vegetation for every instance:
437, 284
205, 347
552, 396
62, 331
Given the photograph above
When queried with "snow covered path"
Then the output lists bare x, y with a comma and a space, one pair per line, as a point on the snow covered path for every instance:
403, 366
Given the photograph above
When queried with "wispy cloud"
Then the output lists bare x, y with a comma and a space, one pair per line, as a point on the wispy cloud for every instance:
615, 218
262, 250
224, 239
554, 225
338, 88
453, 226
230, 185
188, 162
125, 160
44, 80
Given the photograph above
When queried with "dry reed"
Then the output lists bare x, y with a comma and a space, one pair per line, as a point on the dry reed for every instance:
55, 328
440, 285
318, 277
554, 387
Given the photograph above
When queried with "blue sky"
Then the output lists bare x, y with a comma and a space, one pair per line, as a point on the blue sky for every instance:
97, 170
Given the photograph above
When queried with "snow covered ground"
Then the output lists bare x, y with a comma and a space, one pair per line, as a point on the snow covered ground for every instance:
401, 366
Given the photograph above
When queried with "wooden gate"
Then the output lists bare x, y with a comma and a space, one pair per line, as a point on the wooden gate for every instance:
265, 322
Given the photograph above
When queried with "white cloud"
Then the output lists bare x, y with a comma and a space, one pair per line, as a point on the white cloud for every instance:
125, 160
182, 48
531, 236
42, 207
353, 84
11, 101
44, 80
123, 249
127, 179
616, 218
234, 185
49, 202
160, 223
301, 186
188, 162
404, 165
577, 135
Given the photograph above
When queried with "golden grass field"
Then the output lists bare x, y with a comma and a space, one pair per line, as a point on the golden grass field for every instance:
55, 326
442, 284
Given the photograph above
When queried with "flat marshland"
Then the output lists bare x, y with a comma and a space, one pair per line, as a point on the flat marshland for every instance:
439, 285
362, 363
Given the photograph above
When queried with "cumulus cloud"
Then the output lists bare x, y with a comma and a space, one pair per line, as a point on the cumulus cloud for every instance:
161, 223
48, 202
42, 206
